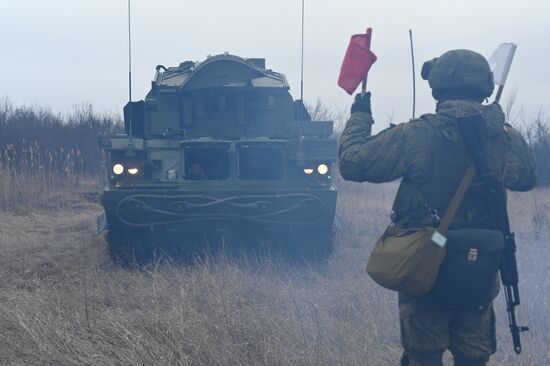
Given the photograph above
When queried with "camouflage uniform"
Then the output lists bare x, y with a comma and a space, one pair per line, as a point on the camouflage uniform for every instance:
429, 155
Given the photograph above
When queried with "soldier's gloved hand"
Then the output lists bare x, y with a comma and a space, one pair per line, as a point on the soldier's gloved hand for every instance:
361, 103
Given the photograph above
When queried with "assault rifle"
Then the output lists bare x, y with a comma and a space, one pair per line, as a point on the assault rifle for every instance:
474, 135
496, 197
500, 61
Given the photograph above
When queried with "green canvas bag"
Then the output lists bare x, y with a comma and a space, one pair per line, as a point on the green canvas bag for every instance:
408, 260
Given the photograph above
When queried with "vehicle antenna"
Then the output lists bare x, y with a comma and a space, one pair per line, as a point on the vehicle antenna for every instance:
129, 74
302, 60
413, 74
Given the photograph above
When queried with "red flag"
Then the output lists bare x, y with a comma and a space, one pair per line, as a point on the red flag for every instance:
357, 62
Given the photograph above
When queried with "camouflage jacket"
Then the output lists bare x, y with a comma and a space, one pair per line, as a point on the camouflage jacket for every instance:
429, 156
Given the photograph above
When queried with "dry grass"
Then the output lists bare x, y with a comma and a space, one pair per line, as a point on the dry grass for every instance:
28, 181
63, 303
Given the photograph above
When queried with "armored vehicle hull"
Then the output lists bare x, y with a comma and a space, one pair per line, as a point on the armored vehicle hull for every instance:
218, 150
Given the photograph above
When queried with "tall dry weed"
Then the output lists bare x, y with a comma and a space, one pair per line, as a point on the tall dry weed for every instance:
63, 303
43, 154
27, 179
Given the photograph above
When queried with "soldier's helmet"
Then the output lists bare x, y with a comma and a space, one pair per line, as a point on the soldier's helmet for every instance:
459, 73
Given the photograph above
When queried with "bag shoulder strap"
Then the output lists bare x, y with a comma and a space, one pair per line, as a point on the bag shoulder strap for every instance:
457, 199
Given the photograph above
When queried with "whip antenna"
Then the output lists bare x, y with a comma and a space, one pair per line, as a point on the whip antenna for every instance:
302, 61
413, 73
129, 73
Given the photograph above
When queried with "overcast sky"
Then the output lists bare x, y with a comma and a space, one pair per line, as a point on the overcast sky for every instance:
62, 53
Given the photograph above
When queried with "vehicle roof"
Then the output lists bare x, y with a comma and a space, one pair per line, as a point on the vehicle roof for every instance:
223, 70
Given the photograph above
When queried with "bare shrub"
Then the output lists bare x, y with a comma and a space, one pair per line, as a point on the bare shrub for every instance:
42, 154
28, 132
322, 112
535, 130
539, 139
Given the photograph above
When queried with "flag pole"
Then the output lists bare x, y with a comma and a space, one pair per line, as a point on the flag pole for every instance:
364, 83
413, 74
363, 87
499, 93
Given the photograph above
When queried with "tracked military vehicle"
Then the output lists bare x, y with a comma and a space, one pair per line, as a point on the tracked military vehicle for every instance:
218, 150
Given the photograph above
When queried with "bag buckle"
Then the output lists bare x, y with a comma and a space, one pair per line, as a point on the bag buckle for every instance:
436, 220
472, 255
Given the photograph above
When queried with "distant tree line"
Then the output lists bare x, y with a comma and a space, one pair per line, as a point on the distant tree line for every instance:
35, 138
537, 134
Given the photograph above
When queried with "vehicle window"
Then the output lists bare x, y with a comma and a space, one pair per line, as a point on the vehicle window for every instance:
261, 162
202, 163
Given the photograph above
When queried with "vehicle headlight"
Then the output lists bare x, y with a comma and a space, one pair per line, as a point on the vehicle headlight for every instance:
322, 169
133, 170
308, 171
118, 169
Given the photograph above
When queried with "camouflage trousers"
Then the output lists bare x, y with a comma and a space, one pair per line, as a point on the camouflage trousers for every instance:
427, 330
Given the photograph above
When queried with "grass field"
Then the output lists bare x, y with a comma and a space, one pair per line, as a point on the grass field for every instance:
63, 303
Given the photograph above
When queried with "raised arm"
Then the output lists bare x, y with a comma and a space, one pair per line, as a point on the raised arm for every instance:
389, 155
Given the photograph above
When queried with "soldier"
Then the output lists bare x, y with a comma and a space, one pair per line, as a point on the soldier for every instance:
418, 152
196, 172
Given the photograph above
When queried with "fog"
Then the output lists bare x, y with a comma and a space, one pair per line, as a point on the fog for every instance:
62, 53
